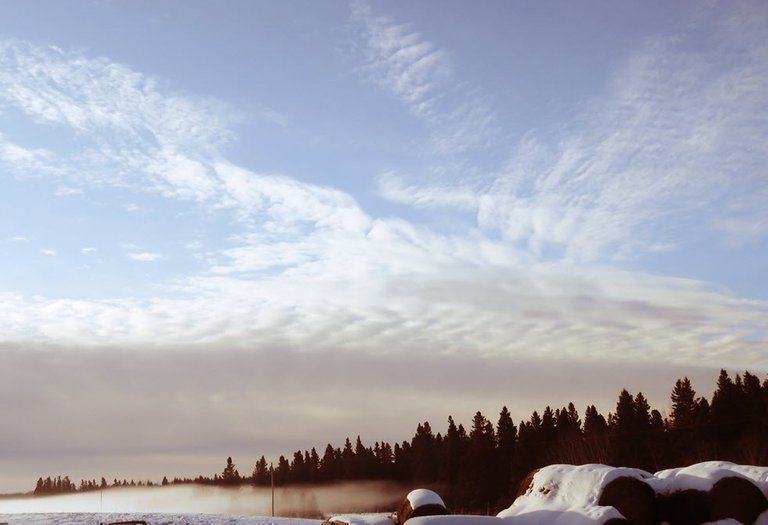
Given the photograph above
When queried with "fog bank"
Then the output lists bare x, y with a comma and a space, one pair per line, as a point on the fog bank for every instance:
295, 501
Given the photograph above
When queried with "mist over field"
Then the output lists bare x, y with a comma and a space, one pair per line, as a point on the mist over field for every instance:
296, 501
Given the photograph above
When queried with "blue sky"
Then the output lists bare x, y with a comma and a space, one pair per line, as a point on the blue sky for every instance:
225, 224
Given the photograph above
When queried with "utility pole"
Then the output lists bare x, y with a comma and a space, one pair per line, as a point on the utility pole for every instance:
272, 482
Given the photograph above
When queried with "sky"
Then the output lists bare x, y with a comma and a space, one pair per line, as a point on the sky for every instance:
248, 227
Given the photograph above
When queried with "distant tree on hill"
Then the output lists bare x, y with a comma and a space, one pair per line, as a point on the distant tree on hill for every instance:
260, 475
230, 475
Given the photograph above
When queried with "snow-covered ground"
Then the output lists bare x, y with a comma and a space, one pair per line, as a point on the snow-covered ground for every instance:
84, 518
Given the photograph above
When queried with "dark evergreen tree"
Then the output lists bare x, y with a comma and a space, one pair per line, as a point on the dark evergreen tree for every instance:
630, 430
683, 414
348, 461
312, 462
282, 474
594, 423
330, 466
506, 437
298, 471
478, 471
230, 475
452, 451
425, 454
402, 466
261, 474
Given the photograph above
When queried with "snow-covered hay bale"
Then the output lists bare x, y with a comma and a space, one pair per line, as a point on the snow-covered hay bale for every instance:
737, 498
420, 502
584, 494
712, 491
632, 497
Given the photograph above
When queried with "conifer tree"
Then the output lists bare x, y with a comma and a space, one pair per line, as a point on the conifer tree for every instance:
329, 465
594, 423
425, 454
506, 436
683, 404
451, 453
230, 476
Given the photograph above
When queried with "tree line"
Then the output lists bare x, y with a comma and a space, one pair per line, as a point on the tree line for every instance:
64, 485
479, 469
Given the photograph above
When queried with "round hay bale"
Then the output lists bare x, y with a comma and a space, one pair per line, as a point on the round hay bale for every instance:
526, 484
420, 502
737, 498
686, 507
632, 497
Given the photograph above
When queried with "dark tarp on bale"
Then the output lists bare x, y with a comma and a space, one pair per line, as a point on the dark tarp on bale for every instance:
686, 507
731, 497
737, 498
632, 497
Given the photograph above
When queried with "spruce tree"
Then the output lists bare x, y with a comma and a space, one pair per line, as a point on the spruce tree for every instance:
683, 404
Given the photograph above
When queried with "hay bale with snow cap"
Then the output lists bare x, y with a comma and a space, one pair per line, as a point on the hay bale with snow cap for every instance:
712, 491
420, 502
584, 495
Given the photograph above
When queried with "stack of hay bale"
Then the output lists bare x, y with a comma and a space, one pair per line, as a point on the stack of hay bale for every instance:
712, 491
584, 495
601, 495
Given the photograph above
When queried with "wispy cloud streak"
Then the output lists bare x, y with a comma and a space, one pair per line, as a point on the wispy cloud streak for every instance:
671, 149
421, 75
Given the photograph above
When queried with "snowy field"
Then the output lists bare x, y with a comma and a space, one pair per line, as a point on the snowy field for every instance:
193, 504
67, 518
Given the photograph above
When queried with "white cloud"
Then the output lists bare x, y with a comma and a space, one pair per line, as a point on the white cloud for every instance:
673, 147
274, 116
66, 191
94, 94
421, 74
48, 252
88, 250
309, 268
19, 160
139, 135
393, 188
286, 206
145, 256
